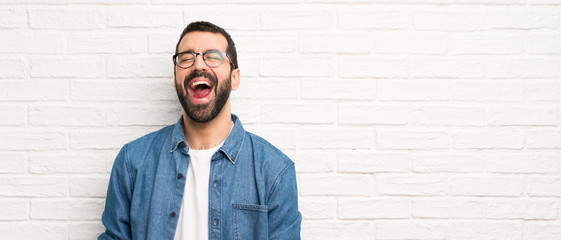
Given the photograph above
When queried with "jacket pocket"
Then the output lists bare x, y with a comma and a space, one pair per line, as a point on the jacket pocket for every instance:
250, 221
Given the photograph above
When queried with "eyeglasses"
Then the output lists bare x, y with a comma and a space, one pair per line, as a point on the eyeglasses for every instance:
212, 58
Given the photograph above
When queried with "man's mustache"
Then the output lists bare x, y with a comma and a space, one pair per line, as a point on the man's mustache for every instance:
195, 74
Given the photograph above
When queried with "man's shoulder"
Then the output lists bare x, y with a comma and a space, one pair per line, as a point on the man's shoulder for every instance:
269, 154
152, 139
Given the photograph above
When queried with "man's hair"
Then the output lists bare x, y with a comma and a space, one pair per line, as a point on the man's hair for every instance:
203, 26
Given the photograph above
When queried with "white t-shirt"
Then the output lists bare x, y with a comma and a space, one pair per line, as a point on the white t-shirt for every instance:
193, 217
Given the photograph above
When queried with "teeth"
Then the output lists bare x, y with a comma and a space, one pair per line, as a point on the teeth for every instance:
194, 84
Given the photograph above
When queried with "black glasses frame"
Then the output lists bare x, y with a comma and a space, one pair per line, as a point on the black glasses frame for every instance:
174, 58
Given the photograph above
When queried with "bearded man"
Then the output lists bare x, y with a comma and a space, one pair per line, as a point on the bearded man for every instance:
204, 177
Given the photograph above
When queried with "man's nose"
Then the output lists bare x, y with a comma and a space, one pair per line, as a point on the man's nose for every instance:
200, 63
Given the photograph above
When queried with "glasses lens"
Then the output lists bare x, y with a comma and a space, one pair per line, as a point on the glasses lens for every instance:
185, 60
213, 58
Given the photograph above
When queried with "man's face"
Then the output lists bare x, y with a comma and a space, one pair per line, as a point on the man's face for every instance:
202, 90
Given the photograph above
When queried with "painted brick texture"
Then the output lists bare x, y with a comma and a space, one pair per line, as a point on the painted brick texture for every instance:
407, 119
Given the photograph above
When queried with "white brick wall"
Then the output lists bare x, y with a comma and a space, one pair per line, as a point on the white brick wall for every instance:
407, 119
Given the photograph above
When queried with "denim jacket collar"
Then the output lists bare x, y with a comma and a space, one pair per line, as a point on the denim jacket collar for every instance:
230, 148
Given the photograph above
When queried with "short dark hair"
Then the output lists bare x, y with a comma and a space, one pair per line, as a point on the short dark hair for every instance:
203, 26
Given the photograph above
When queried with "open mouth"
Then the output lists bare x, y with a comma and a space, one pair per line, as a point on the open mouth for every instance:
200, 90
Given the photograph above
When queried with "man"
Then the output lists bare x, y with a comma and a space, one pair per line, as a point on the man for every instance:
204, 177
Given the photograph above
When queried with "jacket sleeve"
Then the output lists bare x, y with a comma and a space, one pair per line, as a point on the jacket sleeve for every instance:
116, 216
284, 217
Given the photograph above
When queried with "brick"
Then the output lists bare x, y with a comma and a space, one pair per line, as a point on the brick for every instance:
359, 66
67, 67
244, 19
107, 42
13, 18
12, 68
114, 90
144, 17
137, 67
487, 43
19, 41
448, 208
377, 114
13, 115
32, 140
543, 139
448, 116
85, 231
67, 18
523, 18
487, 186
359, 208
262, 2
297, 66
522, 209
340, 42
359, 230
412, 185
534, 115
332, 138
153, 90
545, 186
487, 90
249, 65
522, 67
28, 230
14, 209
449, 19
247, 110
67, 162
318, 208
268, 88
411, 139
13, 163
542, 231
66, 209
485, 139
372, 162
283, 138
543, 91
335, 185
426, 90
184, 2
544, 43
411, 42
448, 68
33, 187
522, 162
359, 89
450, 162
403, 229
88, 186
66, 115
35, 1
485, 230
368, 18
109, 2
34, 90
544, 2
314, 161
315, 18
105, 138
266, 42
145, 114
163, 42
298, 113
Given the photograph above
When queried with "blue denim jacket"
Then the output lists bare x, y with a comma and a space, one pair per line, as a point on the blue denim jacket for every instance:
252, 188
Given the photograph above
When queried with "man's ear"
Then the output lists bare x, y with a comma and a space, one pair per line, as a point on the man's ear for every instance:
235, 76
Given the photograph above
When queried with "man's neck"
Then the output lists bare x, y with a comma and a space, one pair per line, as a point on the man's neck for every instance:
210, 134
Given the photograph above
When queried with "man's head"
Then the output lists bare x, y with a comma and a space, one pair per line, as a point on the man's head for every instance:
205, 70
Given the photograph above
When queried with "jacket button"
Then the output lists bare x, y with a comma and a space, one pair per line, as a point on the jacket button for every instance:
179, 176
173, 214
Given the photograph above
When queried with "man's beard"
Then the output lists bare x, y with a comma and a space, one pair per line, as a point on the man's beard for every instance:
203, 113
